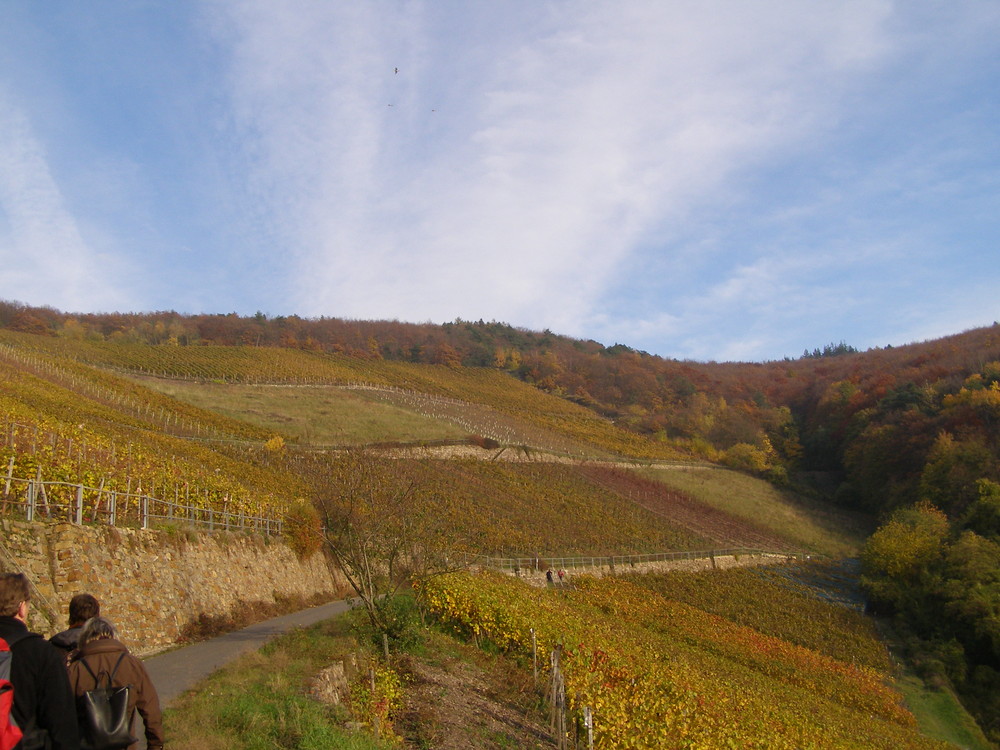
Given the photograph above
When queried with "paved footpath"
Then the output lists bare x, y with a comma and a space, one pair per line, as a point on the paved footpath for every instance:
179, 670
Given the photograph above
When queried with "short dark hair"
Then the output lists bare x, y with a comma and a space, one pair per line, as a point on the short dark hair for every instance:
14, 589
82, 607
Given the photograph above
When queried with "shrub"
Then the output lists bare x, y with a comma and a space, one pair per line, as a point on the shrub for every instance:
303, 528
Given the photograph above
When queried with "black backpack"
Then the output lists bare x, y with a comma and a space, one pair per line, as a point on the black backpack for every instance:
105, 722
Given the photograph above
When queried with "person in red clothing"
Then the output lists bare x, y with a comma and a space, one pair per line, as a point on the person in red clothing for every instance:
99, 650
44, 707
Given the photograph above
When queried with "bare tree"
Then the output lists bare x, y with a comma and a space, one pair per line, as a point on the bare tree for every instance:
384, 525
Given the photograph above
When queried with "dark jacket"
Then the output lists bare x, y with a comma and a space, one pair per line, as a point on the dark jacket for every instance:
101, 656
42, 695
67, 639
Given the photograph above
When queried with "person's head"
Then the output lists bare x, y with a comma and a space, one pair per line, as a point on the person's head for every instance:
96, 629
81, 608
14, 592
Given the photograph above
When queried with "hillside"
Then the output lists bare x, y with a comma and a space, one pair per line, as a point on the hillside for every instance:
867, 421
531, 443
78, 412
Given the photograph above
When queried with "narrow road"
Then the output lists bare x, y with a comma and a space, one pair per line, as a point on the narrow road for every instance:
177, 671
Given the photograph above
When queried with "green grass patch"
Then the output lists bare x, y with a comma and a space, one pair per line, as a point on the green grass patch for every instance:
312, 414
261, 700
813, 525
940, 714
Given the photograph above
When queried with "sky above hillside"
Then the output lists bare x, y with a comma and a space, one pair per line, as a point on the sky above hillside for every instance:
697, 179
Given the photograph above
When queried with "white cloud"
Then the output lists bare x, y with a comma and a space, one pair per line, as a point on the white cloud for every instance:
592, 126
696, 179
45, 259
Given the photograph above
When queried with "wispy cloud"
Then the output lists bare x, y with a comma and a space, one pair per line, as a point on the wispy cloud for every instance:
591, 127
44, 257
708, 179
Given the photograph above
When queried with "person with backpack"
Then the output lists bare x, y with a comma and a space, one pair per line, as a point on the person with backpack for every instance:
43, 707
81, 608
104, 661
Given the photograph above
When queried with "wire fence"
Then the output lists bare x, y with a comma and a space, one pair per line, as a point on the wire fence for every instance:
35, 500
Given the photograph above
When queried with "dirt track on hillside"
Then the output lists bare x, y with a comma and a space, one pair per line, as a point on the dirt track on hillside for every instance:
520, 455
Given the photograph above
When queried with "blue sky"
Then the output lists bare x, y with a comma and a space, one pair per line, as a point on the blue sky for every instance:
701, 180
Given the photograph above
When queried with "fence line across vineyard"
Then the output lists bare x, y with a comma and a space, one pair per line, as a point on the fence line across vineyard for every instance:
542, 563
36, 500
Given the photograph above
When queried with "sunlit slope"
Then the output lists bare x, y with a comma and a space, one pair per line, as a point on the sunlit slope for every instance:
67, 422
808, 524
315, 415
207, 442
547, 509
659, 673
482, 400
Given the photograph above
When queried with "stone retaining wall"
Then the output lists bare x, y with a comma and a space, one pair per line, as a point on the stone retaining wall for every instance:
153, 583
716, 562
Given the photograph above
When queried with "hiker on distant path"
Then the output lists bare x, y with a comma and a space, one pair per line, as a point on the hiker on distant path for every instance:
562, 575
81, 608
43, 707
548, 576
101, 651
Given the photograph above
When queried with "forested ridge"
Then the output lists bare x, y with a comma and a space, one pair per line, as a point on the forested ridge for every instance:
910, 434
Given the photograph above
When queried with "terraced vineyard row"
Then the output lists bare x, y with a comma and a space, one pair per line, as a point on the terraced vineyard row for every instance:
796, 612
124, 401
504, 509
657, 673
56, 433
714, 525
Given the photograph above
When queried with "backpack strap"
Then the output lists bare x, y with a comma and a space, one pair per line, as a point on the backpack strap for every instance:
117, 664
111, 677
86, 666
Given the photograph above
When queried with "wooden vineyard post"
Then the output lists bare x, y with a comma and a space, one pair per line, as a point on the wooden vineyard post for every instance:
98, 503
557, 699
375, 717
534, 655
6, 487
40, 490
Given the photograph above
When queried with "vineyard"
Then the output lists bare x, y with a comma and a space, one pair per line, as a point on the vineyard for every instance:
697, 518
519, 509
489, 402
74, 426
799, 612
654, 672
